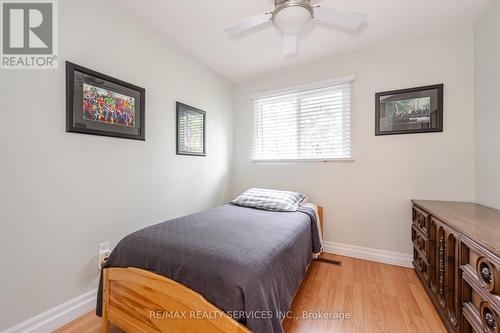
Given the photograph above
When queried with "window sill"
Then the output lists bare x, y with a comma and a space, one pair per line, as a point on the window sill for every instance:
298, 160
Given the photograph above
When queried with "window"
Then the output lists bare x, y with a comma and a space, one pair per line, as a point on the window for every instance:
307, 124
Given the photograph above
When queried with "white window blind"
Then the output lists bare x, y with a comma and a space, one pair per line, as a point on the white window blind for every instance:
310, 124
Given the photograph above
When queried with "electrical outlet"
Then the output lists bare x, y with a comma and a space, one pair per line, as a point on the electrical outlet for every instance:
103, 252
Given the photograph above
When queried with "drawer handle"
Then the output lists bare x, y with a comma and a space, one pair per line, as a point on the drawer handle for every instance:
486, 273
489, 318
490, 321
418, 242
419, 262
421, 221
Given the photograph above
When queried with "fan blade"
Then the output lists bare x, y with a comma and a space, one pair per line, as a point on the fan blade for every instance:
289, 44
248, 24
341, 18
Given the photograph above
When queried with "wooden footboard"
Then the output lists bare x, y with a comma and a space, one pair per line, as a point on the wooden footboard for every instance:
136, 300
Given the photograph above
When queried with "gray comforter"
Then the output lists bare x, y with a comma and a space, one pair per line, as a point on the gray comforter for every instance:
240, 259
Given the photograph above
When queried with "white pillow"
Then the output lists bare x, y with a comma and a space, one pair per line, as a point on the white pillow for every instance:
273, 200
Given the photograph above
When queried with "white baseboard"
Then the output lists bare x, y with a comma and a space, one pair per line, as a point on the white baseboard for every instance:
382, 256
59, 316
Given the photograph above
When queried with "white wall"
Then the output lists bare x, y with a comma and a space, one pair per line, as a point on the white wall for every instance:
63, 193
487, 89
367, 202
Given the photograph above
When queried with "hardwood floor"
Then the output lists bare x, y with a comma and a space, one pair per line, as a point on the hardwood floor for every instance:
378, 298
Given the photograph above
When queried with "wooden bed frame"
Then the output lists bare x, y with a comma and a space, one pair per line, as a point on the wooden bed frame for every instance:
137, 300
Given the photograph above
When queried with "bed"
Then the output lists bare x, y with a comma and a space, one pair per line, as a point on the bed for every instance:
226, 269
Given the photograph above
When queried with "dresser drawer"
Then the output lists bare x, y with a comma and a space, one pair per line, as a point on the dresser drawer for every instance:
421, 219
482, 265
479, 308
471, 321
421, 265
420, 241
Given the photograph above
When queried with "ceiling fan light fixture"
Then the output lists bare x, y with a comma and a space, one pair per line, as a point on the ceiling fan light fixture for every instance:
291, 16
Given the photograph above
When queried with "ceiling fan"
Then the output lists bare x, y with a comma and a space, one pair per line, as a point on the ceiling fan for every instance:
290, 16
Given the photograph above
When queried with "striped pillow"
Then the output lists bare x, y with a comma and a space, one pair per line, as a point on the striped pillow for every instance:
273, 200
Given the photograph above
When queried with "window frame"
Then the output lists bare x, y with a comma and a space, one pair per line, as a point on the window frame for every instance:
301, 89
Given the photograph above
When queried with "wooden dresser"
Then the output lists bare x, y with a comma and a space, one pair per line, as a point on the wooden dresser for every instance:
456, 254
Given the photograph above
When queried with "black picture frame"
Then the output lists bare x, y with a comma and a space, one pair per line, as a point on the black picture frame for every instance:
76, 121
435, 111
180, 109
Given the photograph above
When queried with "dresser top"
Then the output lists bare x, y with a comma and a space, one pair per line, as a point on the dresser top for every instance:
479, 223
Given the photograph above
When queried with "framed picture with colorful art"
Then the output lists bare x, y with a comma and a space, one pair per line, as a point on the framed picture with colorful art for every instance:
102, 105
407, 111
191, 127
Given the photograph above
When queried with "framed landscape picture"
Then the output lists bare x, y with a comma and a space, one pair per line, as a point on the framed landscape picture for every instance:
415, 110
191, 128
101, 105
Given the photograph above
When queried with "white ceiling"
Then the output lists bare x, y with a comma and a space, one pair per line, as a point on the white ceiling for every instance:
197, 26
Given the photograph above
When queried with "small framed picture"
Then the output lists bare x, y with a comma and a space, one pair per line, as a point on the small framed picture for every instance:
191, 130
102, 105
415, 110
